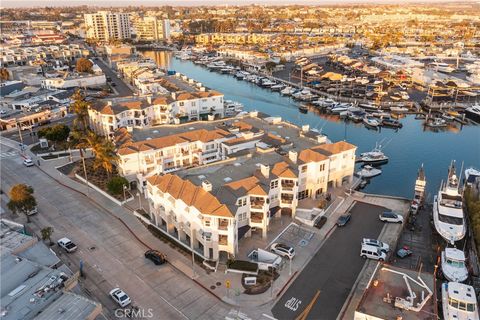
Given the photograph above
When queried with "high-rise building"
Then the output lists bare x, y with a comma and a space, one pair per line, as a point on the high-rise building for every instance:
106, 26
152, 29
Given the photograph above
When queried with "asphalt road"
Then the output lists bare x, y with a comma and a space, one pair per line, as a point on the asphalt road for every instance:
30, 136
122, 89
112, 257
333, 270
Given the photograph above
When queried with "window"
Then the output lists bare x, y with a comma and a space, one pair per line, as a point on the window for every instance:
242, 216
274, 184
242, 202
181, 103
322, 167
207, 223
304, 168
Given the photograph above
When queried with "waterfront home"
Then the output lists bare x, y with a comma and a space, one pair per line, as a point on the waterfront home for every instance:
211, 208
106, 116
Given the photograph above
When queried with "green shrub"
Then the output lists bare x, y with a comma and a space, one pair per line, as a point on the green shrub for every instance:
115, 185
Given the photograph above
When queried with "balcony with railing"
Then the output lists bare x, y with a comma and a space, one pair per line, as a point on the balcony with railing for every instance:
257, 202
286, 198
256, 217
223, 240
288, 185
222, 224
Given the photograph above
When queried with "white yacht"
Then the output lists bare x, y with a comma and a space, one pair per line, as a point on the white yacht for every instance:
419, 195
232, 107
399, 109
471, 174
453, 265
368, 172
287, 91
371, 122
448, 215
473, 113
442, 67
459, 302
374, 157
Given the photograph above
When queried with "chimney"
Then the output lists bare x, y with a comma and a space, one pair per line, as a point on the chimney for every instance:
149, 99
206, 185
293, 155
305, 128
265, 170
174, 95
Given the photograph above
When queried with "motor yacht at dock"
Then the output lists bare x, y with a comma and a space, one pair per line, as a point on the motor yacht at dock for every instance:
419, 194
368, 172
453, 265
374, 157
448, 216
459, 302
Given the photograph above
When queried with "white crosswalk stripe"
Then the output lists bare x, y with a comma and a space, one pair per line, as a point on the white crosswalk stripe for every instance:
8, 154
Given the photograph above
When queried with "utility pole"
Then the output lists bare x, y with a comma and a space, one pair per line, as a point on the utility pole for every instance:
20, 134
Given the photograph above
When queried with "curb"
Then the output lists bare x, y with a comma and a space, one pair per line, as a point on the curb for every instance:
133, 233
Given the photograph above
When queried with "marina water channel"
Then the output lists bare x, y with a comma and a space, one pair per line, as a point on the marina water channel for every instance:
407, 147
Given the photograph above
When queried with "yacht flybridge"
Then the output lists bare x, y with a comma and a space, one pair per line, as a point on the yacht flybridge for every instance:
453, 265
459, 302
448, 215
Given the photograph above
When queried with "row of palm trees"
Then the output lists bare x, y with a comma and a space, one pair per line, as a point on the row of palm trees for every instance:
82, 137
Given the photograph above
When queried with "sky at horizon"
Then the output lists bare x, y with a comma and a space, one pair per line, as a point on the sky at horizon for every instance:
118, 3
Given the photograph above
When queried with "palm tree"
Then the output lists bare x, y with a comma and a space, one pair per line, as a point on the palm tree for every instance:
105, 156
80, 108
103, 150
47, 234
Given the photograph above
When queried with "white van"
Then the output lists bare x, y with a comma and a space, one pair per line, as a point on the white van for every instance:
372, 252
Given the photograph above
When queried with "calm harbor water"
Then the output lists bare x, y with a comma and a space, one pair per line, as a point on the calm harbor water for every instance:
407, 148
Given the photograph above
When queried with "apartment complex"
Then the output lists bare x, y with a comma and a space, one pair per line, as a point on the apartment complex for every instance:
210, 208
106, 26
106, 116
233, 38
152, 29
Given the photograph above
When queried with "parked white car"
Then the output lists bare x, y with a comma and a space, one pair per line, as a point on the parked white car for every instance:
372, 252
283, 250
389, 216
28, 162
67, 245
373, 242
120, 297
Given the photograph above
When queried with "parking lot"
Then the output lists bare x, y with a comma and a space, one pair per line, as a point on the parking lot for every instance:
333, 270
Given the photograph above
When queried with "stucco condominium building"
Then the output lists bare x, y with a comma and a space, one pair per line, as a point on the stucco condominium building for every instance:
106, 26
233, 38
212, 207
187, 104
152, 29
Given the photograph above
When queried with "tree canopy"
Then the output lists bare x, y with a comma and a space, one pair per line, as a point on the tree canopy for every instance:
56, 133
22, 199
84, 65
4, 75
